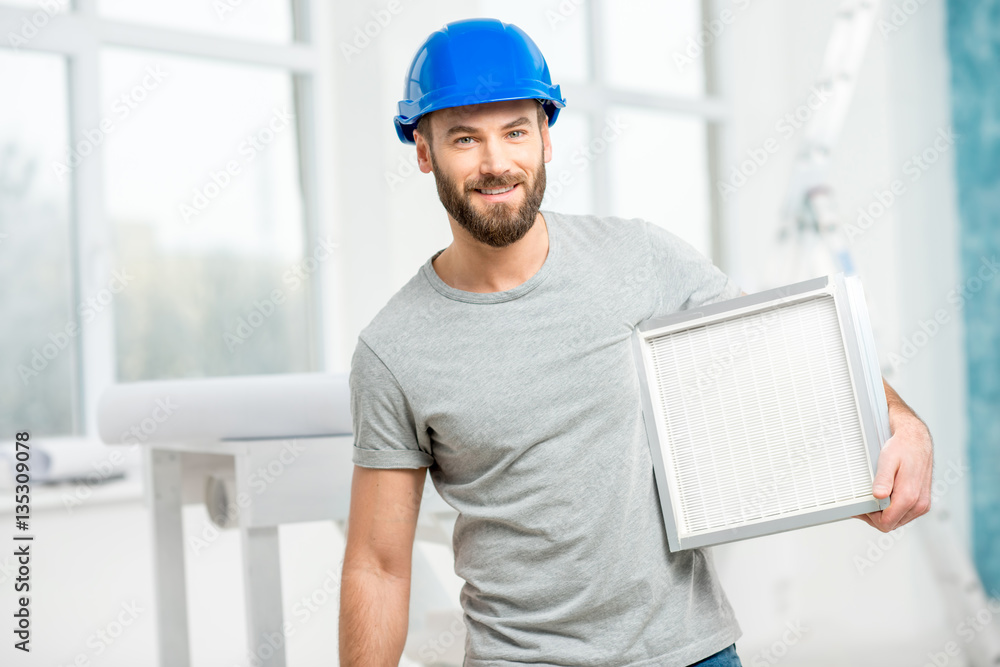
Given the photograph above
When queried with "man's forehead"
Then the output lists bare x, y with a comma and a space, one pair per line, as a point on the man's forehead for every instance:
484, 113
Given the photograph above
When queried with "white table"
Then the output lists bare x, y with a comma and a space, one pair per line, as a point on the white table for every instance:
314, 486
281, 444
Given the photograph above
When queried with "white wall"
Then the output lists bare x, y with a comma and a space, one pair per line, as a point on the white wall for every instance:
907, 261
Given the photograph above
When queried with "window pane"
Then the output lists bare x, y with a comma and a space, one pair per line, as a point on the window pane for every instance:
653, 46
265, 20
38, 326
203, 195
559, 30
659, 171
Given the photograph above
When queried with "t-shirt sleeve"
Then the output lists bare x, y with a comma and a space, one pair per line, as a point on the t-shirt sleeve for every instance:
384, 427
684, 278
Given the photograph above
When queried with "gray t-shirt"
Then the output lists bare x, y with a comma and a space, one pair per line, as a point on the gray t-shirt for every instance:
525, 406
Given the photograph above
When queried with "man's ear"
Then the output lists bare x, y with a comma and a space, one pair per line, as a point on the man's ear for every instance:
546, 142
423, 152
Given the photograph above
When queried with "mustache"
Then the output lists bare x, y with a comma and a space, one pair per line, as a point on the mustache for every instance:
491, 183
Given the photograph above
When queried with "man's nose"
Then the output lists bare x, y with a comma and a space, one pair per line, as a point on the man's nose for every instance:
494, 158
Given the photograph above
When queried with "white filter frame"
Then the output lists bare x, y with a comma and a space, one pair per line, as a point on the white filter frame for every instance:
865, 379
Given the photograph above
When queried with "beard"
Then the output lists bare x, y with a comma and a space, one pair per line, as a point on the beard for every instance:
499, 225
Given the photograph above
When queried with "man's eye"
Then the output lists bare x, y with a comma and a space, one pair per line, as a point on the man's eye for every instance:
516, 133
462, 140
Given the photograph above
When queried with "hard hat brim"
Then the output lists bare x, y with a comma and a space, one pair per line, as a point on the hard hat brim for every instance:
550, 96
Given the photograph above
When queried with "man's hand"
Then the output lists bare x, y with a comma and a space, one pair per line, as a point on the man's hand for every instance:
904, 468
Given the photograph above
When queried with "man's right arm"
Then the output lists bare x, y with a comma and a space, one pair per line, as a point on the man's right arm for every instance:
375, 584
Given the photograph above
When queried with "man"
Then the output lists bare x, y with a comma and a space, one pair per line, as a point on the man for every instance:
504, 367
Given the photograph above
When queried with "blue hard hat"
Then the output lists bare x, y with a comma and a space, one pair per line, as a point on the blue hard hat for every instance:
471, 62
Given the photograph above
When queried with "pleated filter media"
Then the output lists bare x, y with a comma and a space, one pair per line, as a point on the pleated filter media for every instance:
764, 413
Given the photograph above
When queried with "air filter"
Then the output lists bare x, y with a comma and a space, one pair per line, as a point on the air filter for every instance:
764, 413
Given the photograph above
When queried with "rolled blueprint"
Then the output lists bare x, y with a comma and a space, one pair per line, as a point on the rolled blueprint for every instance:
232, 408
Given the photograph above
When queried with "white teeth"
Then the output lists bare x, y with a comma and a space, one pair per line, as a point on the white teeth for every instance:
497, 192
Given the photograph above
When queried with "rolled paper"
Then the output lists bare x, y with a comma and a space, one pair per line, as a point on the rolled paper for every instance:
289, 405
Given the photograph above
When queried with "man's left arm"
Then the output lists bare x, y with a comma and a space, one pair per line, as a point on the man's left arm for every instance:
904, 467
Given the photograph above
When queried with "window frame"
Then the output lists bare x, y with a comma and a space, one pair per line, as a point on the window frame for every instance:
597, 96
79, 35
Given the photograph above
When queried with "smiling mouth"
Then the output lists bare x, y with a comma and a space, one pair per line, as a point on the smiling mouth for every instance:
496, 191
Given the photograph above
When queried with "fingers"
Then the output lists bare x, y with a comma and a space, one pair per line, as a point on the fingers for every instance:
920, 507
904, 471
908, 502
877, 520
885, 476
900, 504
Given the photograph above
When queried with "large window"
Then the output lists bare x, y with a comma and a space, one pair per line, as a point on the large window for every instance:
157, 218
38, 319
202, 196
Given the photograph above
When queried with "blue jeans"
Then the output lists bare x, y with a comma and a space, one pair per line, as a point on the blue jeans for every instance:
725, 658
